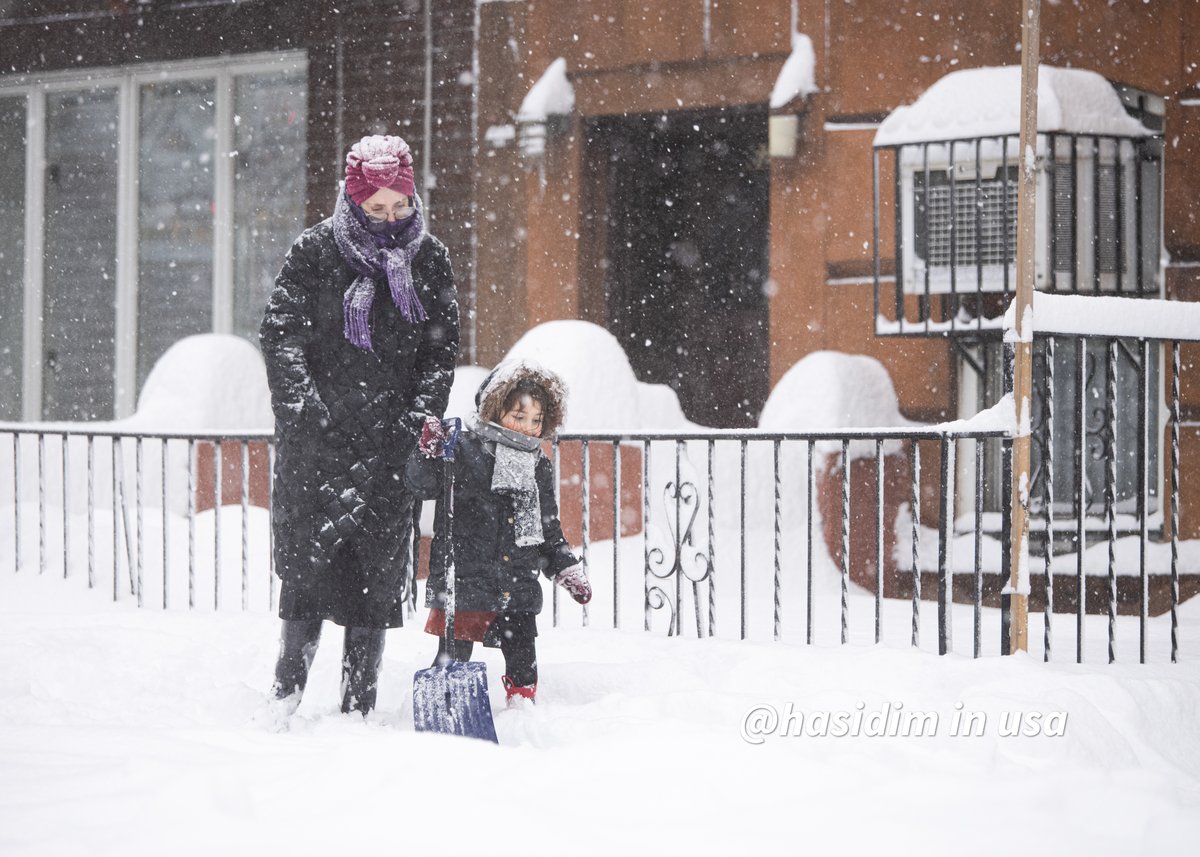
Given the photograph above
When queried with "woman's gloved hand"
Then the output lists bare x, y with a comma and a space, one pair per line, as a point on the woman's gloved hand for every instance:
433, 438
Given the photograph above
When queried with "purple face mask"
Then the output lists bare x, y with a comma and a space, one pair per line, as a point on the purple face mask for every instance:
387, 234
386, 229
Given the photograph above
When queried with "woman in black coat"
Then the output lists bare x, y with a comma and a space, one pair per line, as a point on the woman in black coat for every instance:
506, 532
360, 339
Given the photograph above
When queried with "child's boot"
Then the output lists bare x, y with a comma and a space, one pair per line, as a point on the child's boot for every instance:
516, 695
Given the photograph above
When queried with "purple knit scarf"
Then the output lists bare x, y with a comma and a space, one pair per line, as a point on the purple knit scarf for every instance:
370, 261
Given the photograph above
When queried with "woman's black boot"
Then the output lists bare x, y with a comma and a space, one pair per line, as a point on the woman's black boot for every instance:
297, 647
362, 654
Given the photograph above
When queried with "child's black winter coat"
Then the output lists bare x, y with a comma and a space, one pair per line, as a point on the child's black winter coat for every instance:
490, 571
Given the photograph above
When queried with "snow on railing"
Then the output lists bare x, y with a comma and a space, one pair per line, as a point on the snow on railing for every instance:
1111, 316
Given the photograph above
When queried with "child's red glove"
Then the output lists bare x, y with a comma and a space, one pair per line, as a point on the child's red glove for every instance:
575, 581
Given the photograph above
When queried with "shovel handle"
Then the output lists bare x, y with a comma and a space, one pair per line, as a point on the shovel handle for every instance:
448, 515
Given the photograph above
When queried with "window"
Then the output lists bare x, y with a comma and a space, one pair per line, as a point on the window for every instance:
176, 199
79, 265
12, 254
1110, 434
164, 201
268, 188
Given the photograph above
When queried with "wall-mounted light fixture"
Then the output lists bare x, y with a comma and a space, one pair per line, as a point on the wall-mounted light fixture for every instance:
545, 112
789, 98
782, 131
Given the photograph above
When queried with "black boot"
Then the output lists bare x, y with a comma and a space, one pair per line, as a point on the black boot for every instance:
362, 654
297, 646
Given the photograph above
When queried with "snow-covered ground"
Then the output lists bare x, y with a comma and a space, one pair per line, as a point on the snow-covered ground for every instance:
133, 732
127, 731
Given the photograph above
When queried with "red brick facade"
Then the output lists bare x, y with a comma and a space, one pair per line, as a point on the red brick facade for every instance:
627, 56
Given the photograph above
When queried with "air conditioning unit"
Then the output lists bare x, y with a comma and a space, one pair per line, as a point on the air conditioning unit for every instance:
960, 219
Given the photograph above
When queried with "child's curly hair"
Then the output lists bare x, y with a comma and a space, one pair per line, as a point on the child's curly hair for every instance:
508, 384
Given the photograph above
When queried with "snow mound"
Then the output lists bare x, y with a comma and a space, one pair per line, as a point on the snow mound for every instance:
208, 382
605, 395
831, 390
467, 380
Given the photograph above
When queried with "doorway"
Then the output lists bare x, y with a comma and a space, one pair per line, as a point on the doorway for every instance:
687, 254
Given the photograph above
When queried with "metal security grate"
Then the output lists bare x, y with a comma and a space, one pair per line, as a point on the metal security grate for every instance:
1097, 228
1066, 209
984, 219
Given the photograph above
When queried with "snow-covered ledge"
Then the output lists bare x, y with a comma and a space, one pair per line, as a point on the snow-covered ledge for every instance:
1095, 315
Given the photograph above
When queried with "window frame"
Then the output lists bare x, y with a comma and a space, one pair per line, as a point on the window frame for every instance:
128, 80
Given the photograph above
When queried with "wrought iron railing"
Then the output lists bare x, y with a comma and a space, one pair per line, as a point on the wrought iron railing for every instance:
831, 537
826, 529
1115, 483
70, 486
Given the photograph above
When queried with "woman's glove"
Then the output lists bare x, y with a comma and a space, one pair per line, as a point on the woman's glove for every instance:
575, 581
433, 438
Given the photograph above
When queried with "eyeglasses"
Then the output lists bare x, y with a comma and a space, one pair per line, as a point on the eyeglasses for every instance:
399, 213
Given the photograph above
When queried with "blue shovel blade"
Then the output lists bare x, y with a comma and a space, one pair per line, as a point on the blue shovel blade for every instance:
453, 700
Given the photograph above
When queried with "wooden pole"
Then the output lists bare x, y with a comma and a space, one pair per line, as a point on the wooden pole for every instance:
1022, 333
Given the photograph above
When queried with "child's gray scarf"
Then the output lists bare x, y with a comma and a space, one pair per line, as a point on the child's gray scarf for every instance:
514, 474
370, 261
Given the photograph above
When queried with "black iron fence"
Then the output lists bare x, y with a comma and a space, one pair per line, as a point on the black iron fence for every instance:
1115, 440
112, 506
856, 536
758, 534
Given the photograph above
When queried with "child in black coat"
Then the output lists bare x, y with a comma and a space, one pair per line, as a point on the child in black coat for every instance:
506, 529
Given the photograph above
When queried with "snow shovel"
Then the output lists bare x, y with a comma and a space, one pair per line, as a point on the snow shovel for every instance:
452, 699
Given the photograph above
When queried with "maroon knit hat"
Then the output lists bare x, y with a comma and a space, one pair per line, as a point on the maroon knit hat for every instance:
376, 162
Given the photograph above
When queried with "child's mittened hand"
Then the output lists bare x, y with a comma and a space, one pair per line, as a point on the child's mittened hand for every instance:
433, 438
575, 581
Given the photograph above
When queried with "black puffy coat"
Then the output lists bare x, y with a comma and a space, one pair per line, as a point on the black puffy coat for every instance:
345, 422
490, 571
